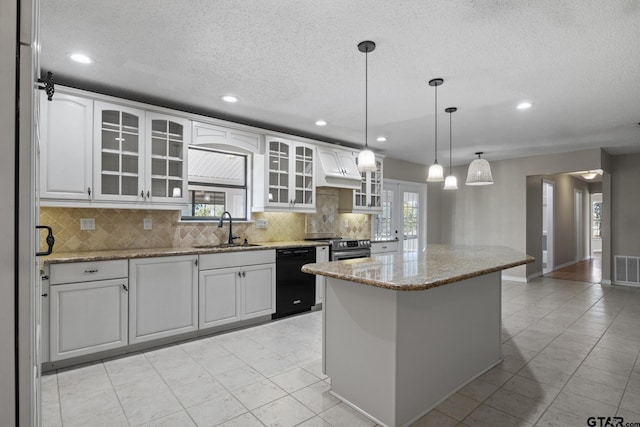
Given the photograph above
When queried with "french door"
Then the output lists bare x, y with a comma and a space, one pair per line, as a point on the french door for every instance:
403, 215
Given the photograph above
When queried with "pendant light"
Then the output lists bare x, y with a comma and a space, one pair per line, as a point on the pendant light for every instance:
450, 182
366, 158
436, 173
479, 172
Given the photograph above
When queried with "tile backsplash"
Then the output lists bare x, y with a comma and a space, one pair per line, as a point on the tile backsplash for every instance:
123, 228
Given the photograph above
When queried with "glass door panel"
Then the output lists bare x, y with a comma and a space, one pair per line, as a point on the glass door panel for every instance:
303, 181
167, 158
278, 172
411, 217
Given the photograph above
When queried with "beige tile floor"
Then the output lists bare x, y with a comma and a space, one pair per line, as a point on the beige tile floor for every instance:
570, 352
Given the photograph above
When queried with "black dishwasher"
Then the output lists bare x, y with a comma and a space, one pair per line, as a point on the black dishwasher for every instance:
295, 290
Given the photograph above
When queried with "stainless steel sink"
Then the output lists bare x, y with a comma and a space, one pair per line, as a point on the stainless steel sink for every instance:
225, 245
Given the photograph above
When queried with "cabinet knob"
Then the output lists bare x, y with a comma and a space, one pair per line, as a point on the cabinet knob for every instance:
125, 287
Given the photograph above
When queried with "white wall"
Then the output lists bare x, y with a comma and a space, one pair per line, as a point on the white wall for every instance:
625, 205
497, 214
8, 14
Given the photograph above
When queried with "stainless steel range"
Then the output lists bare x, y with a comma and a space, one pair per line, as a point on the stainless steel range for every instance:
340, 249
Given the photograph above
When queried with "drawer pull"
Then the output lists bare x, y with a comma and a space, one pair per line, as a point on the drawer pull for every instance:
91, 271
297, 301
384, 247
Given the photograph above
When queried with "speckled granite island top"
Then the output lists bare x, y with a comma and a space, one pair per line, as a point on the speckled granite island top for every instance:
65, 257
439, 265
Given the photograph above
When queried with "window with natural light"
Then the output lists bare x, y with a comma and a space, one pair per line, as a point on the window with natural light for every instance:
217, 183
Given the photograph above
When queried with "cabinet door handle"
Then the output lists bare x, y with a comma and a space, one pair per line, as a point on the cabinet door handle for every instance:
196, 261
297, 301
142, 193
244, 274
49, 239
89, 191
148, 194
91, 271
125, 287
239, 274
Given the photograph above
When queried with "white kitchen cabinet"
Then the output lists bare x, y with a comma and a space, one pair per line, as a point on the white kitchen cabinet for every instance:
284, 177
337, 168
87, 308
119, 152
211, 135
367, 198
236, 286
139, 156
166, 159
322, 255
390, 246
66, 148
163, 298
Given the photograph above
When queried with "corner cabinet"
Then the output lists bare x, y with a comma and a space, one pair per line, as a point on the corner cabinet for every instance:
139, 156
66, 148
367, 198
163, 297
284, 177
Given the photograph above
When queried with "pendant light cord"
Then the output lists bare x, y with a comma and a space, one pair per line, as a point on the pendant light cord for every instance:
436, 123
450, 144
366, 98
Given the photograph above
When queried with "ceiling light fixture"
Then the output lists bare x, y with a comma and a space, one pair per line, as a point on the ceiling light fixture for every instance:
321, 123
590, 175
524, 105
479, 172
436, 172
450, 182
366, 158
381, 139
80, 58
229, 98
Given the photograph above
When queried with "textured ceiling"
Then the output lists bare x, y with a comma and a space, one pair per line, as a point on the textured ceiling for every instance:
293, 62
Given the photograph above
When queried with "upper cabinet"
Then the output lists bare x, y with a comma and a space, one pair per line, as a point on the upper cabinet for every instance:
100, 154
367, 197
284, 177
119, 152
337, 169
66, 147
212, 135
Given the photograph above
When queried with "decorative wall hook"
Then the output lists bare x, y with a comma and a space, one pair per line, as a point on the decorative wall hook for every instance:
48, 85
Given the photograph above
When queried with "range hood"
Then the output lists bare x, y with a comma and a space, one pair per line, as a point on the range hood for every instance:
338, 169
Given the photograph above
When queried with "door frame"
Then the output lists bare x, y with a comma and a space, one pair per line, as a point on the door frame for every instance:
549, 211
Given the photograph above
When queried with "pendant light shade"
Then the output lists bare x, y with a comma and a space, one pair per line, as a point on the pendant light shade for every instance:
366, 158
479, 172
436, 172
451, 182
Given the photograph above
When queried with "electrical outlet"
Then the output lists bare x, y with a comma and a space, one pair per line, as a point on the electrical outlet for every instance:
148, 223
88, 224
261, 223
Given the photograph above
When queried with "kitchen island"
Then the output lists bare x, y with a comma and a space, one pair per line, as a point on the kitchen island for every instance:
403, 332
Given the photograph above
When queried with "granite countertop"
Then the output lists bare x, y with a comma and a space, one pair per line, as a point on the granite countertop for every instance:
439, 265
65, 257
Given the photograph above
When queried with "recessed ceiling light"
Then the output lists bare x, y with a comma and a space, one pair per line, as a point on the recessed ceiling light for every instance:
229, 98
321, 123
524, 105
80, 58
381, 139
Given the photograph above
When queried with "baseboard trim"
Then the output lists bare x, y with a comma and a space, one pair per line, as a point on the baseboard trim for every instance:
605, 282
534, 275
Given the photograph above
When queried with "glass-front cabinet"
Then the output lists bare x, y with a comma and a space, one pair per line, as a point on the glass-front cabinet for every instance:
288, 177
169, 141
118, 153
367, 198
139, 156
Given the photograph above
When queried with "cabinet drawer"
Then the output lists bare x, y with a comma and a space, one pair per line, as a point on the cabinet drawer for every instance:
384, 247
87, 271
236, 259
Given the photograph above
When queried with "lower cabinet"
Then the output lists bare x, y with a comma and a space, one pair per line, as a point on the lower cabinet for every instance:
389, 246
87, 317
230, 292
163, 298
87, 308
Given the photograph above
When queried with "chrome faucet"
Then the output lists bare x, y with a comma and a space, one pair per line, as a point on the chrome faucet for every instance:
230, 242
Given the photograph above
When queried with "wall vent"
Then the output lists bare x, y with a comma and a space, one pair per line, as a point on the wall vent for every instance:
627, 270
